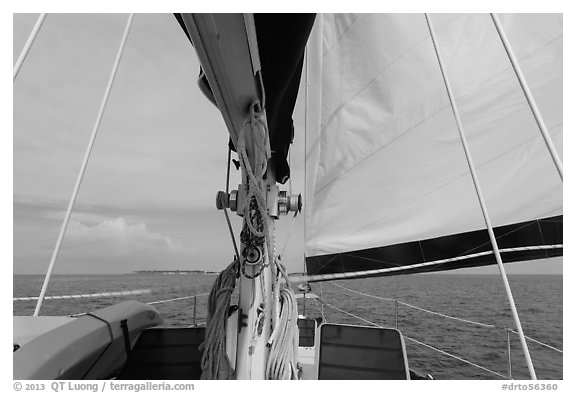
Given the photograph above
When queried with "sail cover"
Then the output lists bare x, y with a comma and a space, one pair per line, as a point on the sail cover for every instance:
387, 182
281, 42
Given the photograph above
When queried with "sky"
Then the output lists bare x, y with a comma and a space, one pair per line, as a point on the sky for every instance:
147, 200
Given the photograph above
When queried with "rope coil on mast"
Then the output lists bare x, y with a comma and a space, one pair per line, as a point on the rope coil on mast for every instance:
255, 178
283, 343
255, 235
215, 363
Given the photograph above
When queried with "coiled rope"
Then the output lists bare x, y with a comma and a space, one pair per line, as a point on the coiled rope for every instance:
283, 342
255, 177
215, 363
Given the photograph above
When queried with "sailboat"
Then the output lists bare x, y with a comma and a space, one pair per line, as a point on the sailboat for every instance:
433, 142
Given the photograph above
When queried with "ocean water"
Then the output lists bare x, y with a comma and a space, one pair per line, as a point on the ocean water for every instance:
479, 298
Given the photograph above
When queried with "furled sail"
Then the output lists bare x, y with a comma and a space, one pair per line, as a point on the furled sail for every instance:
387, 183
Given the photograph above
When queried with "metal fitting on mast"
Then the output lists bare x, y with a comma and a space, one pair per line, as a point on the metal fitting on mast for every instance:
277, 202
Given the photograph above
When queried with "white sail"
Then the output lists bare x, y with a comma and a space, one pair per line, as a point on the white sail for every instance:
385, 164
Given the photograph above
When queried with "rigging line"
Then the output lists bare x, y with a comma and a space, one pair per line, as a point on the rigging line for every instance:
368, 273
416, 307
316, 301
177, 298
541, 236
228, 170
447, 316
84, 165
28, 45
322, 300
306, 72
499, 237
87, 295
288, 237
291, 172
230, 229
353, 315
481, 199
516, 230
508, 349
538, 342
528, 95
455, 357
364, 294
421, 343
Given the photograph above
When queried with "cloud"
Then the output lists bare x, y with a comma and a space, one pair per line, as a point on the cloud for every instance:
118, 236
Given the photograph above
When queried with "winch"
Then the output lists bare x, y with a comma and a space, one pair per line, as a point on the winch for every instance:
278, 202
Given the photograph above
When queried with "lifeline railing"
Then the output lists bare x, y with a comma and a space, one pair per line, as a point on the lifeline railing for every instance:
118, 294
476, 323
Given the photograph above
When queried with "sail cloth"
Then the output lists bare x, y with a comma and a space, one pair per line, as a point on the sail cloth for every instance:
387, 182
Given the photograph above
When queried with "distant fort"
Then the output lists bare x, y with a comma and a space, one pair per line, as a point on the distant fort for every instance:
175, 272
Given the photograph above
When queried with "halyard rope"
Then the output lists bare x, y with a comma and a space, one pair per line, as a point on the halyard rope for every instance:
256, 180
283, 341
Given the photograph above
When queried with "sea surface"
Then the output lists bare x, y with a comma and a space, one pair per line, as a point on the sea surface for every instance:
479, 298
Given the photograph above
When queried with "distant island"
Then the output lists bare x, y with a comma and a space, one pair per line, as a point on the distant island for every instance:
174, 272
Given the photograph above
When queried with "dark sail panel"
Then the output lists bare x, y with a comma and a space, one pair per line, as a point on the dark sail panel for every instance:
532, 234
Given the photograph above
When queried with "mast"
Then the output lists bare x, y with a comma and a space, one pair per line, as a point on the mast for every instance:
255, 305
228, 51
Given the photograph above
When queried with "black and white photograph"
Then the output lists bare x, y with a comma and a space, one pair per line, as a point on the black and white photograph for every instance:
287, 196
